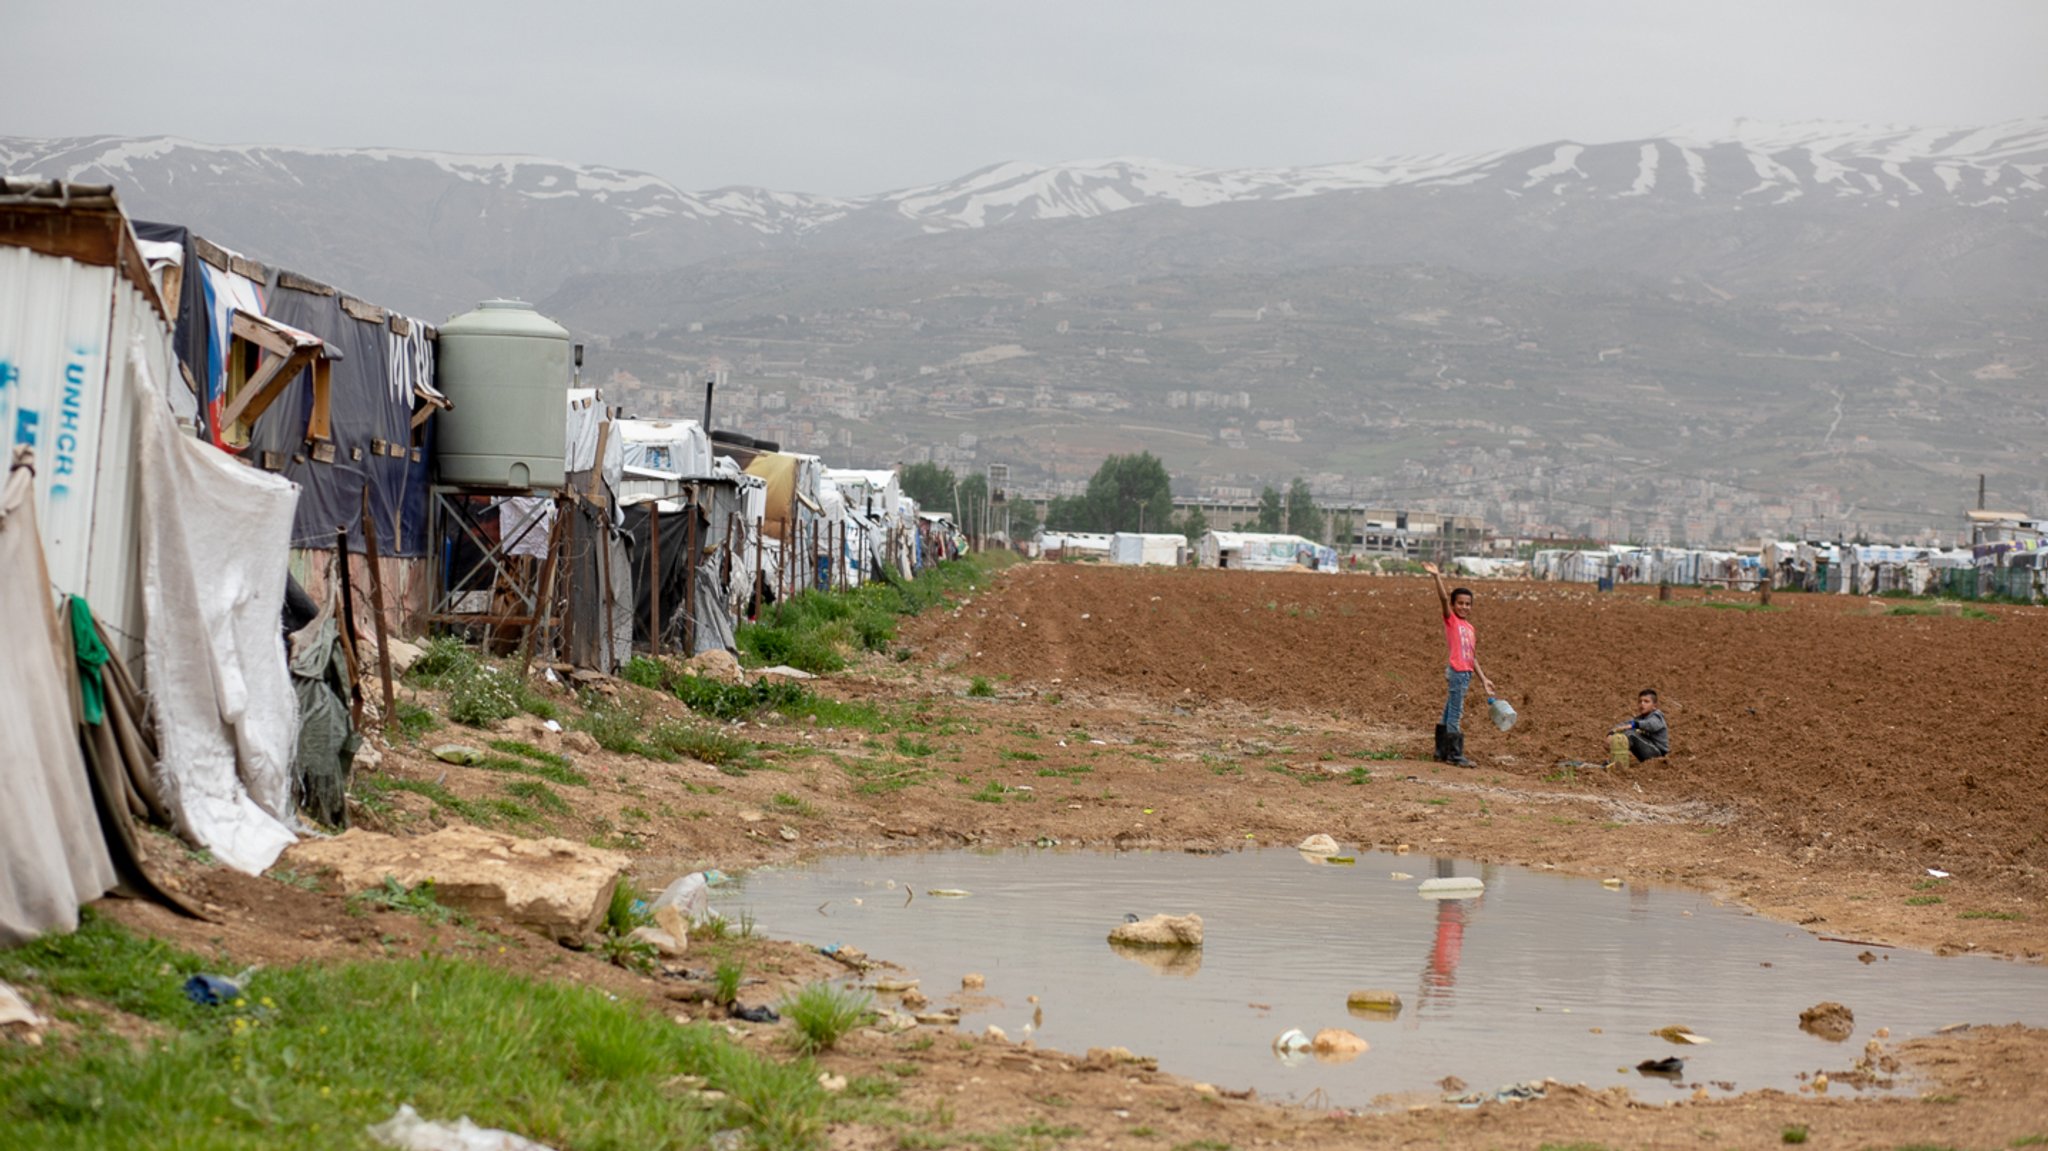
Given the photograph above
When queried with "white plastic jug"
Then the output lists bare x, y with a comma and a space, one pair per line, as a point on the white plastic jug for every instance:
1503, 715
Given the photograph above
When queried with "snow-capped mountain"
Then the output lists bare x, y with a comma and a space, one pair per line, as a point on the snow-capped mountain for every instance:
435, 230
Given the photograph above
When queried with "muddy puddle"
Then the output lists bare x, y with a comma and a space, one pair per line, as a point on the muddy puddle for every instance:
1540, 975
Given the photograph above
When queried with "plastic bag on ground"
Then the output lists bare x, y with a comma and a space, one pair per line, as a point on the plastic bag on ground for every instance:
407, 1131
691, 895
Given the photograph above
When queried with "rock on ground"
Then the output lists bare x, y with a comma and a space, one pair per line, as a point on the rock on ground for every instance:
557, 887
1160, 931
1829, 1020
717, 664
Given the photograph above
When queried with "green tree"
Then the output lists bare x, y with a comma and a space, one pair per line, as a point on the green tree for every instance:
1194, 525
1342, 529
1303, 517
1068, 514
1269, 511
930, 485
1129, 494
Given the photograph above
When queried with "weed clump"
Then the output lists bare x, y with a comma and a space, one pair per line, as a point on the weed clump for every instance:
822, 1014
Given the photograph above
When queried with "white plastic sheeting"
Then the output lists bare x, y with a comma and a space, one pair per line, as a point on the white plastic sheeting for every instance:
215, 546
1255, 551
52, 855
1161, 548
678, 446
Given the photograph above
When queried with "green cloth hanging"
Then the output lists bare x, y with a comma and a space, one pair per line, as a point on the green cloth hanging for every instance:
92, 656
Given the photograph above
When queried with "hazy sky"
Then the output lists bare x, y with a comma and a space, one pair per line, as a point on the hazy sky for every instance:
845, 97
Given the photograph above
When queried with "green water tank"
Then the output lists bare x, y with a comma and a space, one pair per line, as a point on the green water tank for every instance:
505, 368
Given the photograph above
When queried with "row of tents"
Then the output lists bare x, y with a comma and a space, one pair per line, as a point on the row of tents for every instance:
2009, 568
222, 506
1244, 551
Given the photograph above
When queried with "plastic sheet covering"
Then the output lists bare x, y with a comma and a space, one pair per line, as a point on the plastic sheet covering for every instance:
215, 539
52, 854
327, 740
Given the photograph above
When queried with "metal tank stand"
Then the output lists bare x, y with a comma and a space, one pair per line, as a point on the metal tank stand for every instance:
492, 589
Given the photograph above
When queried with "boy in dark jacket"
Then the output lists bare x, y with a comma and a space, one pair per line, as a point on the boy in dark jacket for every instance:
1643, 738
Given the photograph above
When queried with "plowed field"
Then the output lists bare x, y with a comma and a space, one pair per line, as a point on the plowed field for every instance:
1824, 722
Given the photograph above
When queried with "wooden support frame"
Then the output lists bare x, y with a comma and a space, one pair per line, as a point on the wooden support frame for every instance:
290, 353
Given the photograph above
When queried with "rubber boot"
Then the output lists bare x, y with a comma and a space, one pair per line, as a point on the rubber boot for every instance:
1443, 744
1456, 740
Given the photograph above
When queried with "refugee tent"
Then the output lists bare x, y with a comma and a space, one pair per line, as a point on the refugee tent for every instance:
1058, 545
1256, 551
1168, 548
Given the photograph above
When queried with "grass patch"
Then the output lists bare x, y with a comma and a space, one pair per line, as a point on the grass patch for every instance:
539, 795
1922, 900
1795, 1133
525, 759
374, 788
2006, 916
795, 805
819, 631
876, 777
1021, 755
705, 744
837, 713
417, 900
821, 1014
1941, 607
319, 1052
991, 792
1075, 771
414, 721
980, 688
725, 982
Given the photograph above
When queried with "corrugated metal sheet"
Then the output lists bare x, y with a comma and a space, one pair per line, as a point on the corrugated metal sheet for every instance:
65, 331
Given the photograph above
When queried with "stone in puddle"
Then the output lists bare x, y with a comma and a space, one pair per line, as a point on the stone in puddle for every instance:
1160, 931
1318, 845
1335, 1045
972, 983
1829, 1020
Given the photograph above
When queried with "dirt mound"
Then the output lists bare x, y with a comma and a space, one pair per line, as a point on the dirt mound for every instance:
1835, 722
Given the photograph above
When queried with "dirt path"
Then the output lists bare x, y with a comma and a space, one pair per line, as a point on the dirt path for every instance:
1826, 755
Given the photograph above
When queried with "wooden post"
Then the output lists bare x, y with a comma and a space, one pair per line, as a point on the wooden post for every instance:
691, 559
348, 631
544, 600
654, 578
377, 604
604, 573
760, 557
845, 561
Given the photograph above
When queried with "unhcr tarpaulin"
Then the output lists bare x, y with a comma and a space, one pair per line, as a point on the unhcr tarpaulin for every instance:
215, 549
52, 855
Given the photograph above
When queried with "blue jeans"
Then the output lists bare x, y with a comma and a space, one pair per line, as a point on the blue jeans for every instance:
1454, 703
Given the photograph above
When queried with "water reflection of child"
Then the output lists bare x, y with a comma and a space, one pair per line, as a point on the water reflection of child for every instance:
1440, 973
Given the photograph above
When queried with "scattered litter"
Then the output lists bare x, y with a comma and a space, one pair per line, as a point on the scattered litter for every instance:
1398, 876
691, 895
1046, 841
938, 1018
1452, 887
1679, 1033
1671, 1066
1318, 845
458, 754
1290, 1040
761, 1014
552, 725
894, 986
16, 1013
407, 1131
996, 1033
831, 1083
785, 672
1342, 860
787, 833
1612, 883
211, 990
1374, 1003
1503, 716
949, 892
1937, 873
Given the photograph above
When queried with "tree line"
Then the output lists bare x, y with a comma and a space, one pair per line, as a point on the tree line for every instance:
1126, 494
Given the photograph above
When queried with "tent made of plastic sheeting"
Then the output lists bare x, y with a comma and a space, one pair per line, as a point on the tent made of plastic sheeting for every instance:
792, 497
1161, 548
342, 389
74, 293
678, 447
1254, 551
1482, 567
53, 856
1073, 545
215, 538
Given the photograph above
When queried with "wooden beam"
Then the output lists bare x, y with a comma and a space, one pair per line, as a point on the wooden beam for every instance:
258, 394
320, 424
